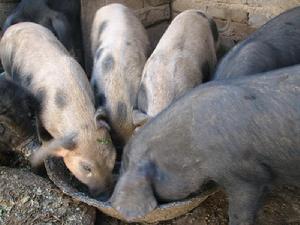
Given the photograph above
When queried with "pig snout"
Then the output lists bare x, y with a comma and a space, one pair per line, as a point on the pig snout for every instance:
102, 190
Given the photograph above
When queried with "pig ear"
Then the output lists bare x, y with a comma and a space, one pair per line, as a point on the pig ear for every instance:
58, 147
133, 197
139, 118
100, 117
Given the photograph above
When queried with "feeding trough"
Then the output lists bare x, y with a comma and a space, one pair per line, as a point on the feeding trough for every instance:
62, 178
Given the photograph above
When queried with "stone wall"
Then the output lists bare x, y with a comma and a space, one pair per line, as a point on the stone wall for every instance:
245, 15
252, 12
153, 14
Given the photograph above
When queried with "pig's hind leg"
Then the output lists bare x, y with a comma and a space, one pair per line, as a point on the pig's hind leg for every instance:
244, 201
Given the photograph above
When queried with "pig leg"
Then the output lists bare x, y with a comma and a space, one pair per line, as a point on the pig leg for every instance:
133, 196
244, 202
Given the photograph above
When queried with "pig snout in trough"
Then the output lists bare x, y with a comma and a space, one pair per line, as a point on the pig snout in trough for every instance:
119, 46
36, 60
242, 133
274, 45
184, 58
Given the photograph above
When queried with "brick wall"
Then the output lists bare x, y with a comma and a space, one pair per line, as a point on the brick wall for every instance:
252, 12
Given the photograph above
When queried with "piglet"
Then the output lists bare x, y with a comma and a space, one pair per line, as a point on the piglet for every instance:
184, 58
37, 61
241, 133
119, 47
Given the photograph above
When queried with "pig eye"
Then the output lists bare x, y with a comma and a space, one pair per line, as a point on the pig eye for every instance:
86, 168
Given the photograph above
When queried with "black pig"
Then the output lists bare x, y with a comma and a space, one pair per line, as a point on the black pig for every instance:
242, 134
275, 45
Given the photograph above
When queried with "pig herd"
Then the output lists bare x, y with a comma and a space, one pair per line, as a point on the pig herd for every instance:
183, 120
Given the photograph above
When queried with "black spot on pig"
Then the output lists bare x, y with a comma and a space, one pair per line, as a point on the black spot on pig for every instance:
41, 95
108, 64
102, 27
205, 69
60, 99
122, 111
99, 53
128, 43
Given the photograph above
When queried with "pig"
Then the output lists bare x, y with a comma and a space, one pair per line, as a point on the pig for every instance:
184, 58
17, 105
120, 47
34, 58
38, 11
242, 134
274, 45
71, 10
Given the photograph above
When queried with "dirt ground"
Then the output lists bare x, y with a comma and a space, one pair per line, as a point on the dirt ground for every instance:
27, 199
282, 207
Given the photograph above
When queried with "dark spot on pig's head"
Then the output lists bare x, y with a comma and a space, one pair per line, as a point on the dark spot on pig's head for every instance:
102, 28
250, 97
60, 99
122, 111
108, 64
99, 53
205, 69
128, 43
